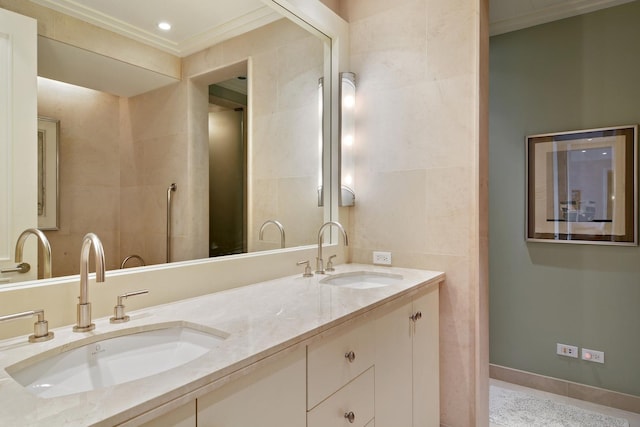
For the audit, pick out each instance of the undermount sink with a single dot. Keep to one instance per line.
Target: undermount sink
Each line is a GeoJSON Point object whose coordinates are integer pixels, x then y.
{"type": "Point", "coordinates": [362, 279]}
{"type": "Point", "coordinates": [111, 361]}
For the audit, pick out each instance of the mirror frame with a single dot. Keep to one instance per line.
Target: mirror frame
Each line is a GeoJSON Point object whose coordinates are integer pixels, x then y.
{"type": "Point", "coordinates": [317, 18]}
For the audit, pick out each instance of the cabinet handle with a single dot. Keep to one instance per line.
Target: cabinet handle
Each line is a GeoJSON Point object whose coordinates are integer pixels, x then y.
{"type": "Point", "coordinates": [351, 356]}
{"type": "Point", "coordinates": [350, 416]}
{"type": "Point", "coordinates": [416, 316]}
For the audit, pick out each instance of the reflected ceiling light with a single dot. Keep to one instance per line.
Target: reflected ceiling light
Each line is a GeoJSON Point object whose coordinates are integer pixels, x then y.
{"type": "Point", "coordinates": [347, 138]}
{"type": "Point", "coordinates": [164, 25]}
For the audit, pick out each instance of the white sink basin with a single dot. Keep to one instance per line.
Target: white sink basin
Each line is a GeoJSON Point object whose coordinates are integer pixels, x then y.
{"type": "Point", "coordinates": [362, 279]}
{"type": "Point", "coordinates": [116, 360]}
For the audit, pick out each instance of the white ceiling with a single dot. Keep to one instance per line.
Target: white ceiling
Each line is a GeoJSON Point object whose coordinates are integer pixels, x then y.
{"type": "Point", "coordinates": [198, 24]}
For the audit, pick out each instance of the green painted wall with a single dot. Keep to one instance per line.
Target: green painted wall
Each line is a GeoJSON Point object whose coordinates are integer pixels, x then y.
{"type": "Point", "coordinates": [578, 73]}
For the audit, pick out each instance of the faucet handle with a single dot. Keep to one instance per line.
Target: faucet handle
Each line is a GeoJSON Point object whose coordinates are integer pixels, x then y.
{"type": "Point", "coordinates": [307, 268]}
{"type": "Point", "coordinates": [329, 266]}
{"type": "Point", "coordinates": [40, 328]}
{"type": "Point", "coordinates": [118, 310]}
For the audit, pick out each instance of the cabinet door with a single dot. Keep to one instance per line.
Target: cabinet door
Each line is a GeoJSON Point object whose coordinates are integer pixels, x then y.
{"type": "Point", "coordinates": [426, 362]}
{"type": "Point", "coordinates": [184, 416]}
{"type": "Point", "coordinates": [393, 371]}
{"type": "Point", "coordinates": [272, 396]}
{"type": "Point", "coordinates": [18, 140]}
{"type": "Point", "coordinates": [407, 370]}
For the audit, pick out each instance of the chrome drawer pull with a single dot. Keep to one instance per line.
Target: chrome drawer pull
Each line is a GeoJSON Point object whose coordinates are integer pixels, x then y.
{"type": "Point", "coordinates": [351, 356]}
{"type": "Point", "coordinates": [350, 416]}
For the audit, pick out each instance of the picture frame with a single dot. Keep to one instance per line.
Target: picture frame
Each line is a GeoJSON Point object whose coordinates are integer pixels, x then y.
{"type": "Point", "coordinates": [48, 197]}
{"type": "Point", "coordinates": [582, 186]}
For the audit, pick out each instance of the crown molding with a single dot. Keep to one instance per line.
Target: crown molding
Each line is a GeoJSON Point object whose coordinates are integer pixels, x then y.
{"type": "Point", "coordinates": [242, 24]}
{"type": "Point", "coordinates": [235, 27]}
{"type": "Point", "coordinates": [562, 10]}
{"type": "Point", "coordinates": [99, 19]}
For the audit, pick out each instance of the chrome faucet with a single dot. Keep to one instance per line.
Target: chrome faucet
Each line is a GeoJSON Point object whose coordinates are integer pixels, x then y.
{"type": "Point", "coordinates": [277, 224]}
{"type": "Point", "coordinates": [319, 262]}
{"type": "Point", "coordinates": [84, 306]}
{"type": "Point", "coordinates": [24, 267]}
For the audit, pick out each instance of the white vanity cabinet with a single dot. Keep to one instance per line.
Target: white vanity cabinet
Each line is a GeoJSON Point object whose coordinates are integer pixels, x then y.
{"type": "Point", "coordinates": [340, 377]}
{"type": "Point", "coordinates": [271, 396]}
{"type": "Point", "coordinates": [338, 358]}
{"type": "Point", "coordinates": [392, 376]}
{"type": "Point", "coordinates": [378, 368]}
{"type": "Point", "coordinates": [407, 364]}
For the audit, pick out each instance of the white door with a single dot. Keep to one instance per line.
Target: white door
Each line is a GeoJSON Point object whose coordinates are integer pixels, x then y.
{"type": "Point", "coordinates": [18, 144]}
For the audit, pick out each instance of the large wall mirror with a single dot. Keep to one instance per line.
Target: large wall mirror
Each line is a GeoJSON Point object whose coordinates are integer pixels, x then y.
{"type": "Point", "coordinates": [239, 136]}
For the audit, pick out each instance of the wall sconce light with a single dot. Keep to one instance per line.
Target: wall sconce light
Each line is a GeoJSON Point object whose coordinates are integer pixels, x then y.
{"type": "Point", "coordinates": [320, 139]}
{"type": "Point", "coordinates": [347, 138]}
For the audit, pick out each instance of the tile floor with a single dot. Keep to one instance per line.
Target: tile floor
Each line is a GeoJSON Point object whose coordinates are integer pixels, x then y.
{"type": "Point", "coordinates": [634, 419]}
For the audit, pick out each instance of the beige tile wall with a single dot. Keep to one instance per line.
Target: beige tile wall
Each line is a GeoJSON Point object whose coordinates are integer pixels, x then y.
{"type": "Point", "coordinates": [117, 158]}
{"type": "Point", "coordinates": [156, 154]}
{"type": "Point", "coordinates": [89, 173]}
{"type": "Point", "coordinates": [421, 190]}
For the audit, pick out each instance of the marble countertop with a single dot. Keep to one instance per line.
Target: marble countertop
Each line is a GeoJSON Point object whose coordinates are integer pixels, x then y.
{"type": "Point", "coordinates": [260, 320]}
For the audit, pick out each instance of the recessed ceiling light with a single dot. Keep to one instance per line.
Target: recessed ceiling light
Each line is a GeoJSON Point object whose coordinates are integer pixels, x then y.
{"type": "Point", "coordinates": [164, 26]}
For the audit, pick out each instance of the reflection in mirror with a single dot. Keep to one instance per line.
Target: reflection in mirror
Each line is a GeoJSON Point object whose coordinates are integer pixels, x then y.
{"type": "Point", "coordinates": [228, 167]}
{"type": "Point", "coordinates": [277, 106]}
{"type": "Point", "coordinates": [48, 134]}
{"type": "Point", "coordinates": [118, 155]}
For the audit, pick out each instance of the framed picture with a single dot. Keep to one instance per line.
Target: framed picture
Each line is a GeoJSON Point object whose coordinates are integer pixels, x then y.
{"type": "Point", "coordinates": [48, 209]}
{"type": "Point", "coordinates": [582, 186]}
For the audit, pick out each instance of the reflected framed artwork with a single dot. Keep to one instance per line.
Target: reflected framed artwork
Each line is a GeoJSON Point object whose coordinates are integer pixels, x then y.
{"type": "Point", "coordinates": [48, 207]}
{"type": "Point", "coordinates": [582, 186]}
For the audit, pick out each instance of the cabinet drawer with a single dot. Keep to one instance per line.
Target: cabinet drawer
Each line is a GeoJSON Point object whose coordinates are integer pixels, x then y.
{"type": "Point", "coordinates": [356, 397]}
{"type": "Point", "coordinates": [329, 368]}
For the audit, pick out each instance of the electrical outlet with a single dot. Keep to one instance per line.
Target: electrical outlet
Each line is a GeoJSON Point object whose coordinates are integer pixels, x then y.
{"type": "Point", "coordinates": [593, 355]}
{"type": "Point", "coordinates": [382, 258]}
{"type": "Point", "coordinates": [567, 350]}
